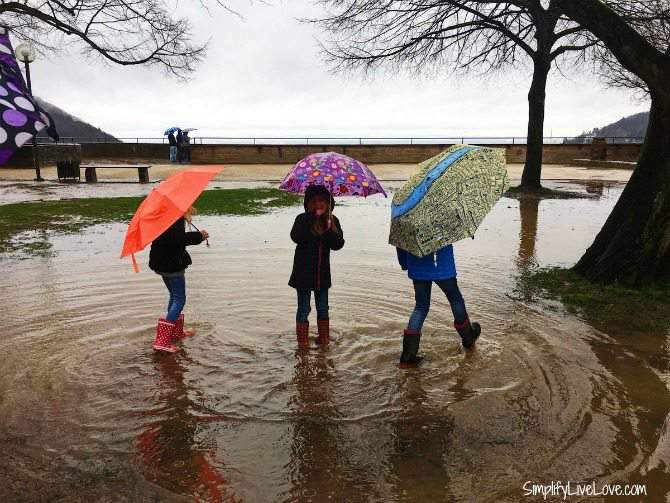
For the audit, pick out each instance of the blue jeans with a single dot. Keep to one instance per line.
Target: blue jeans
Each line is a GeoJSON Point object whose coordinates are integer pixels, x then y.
{"type": "Point", "coordinates": [176, 285]}
{"type": "Point", "coordinates": [173, 154]}
{"type": "Point", "coordinates": [422, 291]}
{"type": "Point", "coordinates": [320, 300]}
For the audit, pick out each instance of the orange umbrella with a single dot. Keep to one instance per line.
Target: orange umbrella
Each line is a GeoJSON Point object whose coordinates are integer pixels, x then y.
{"type": "Point", "coordinates": [164, 205]}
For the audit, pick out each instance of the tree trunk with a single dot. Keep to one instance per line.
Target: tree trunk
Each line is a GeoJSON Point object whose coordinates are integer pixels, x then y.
{"type": "Point", "coordinates": [633, 247]}
{"type": "Point", "coordinates": [532, 170]}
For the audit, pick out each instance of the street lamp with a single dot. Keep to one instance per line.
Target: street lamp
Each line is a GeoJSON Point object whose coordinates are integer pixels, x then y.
{"type": "Point", "coordinates": [25, 53]}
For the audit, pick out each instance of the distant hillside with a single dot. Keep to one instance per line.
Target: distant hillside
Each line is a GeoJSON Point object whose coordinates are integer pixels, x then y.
{"type": "Point", "coordinates": [633, 126]}
{"type": "Point", "coordinates": [69, 125]}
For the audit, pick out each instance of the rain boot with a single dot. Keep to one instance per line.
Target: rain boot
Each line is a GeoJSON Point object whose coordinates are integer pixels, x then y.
{"type": "Point", "coordinates": [302, 331]}
{"type": "Point", "coordinates": [468, 332]}
{"type": "Point", "coordinates": [164, 333]}
{"type": "Point", "coordinates": [324, 332]}
{"type": "Point", "coordinates": [410, 347]}
{"type": "Point", "coordinates": [179, 332]}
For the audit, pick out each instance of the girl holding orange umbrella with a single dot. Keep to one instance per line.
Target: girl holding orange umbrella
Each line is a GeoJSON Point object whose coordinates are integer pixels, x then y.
{"type": "Point", "coordinates": [169, 258]}
{"type": "Point", "coordinates": [161, 220]}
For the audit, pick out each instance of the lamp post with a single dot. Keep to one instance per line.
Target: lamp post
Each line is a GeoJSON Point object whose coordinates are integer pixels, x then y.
{"type": "Point", "coordinates": [25, 53]}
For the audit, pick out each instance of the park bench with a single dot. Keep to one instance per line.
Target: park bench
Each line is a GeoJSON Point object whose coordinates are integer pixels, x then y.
{"type": "Point", "coordinates": [92, 176]}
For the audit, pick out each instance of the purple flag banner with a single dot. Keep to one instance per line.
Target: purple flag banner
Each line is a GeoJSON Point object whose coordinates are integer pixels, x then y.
{"type": "Point", "coordinates": [21, 118]}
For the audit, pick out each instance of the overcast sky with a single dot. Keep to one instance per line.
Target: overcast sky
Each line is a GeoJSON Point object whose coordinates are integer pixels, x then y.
{"type": "Point", "coordinates": [263, 75]}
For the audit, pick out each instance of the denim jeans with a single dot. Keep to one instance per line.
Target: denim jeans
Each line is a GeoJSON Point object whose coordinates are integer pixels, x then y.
{"type": "Point", "coordinates": [422, 291]}
{"type": "Point", "coordinates": [173, 154]}
{"type": "Point", "coordinates": [176, 285]}
{"type": "Point", "coordinates": [320, 300]}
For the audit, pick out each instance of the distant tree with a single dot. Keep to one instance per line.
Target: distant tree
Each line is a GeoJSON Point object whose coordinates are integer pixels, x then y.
{"type": "Point", "coordinates": [467, 35]}
{"type": "Point", "coordinates": [633, 247]}
{"type": "Point", "coordinates": [126, 32]}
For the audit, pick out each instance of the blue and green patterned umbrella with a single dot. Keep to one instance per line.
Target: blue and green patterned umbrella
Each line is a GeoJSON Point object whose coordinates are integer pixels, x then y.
{"type": "Point", "coordinates": [447, 198]}
{"type": "Point", "coordinates": [21, 117]}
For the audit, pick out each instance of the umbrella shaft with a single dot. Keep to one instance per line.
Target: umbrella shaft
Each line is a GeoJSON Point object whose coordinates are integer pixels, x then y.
{"type": "Point", "coordinates": [206, 240]}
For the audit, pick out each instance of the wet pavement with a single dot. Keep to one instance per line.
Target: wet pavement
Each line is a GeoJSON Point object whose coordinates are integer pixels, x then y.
{"type": "Point", "coordinates": [87, 408]}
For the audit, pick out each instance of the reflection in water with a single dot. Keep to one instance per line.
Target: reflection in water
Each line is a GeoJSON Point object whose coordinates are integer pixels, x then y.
{"type": "Point", "coordinates": [172, 451]}
{"type": "Point", "coordinates": [421, 445]}
{"type": "Point", "coordinates": [314, 459]}
{"type": "Point", "coordinates": [528, 211]}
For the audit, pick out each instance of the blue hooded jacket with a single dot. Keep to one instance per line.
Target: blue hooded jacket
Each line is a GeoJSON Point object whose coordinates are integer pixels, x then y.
{"type": "Point", "coordinates": [433, 267]}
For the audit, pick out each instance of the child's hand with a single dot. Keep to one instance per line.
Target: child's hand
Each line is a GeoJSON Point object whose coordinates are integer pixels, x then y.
{"type": "Point", "coordinates": [205, 234]}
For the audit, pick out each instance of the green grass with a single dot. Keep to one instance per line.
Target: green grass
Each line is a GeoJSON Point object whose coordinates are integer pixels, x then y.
{"type": "Point", "coordinates": [546, 193]}
{"type": "Point", "coordinates": [612, 305]}
{"type": "Point", "coordinates": [19, 221]}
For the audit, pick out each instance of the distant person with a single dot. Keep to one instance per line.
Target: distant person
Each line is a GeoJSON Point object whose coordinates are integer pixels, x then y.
{"type": "Point", "coordinates": [315, 232]}
{"type": "Point", "coordinates": [438, 268]}
{"type": "Point", "coordinates": [180, 141]}
{"type": "Point", "coordinates": [169, 259]}
{"type": "Point", "coordinates": [186, 147]}
{"type": "Point", "coordinates": [173, 147]}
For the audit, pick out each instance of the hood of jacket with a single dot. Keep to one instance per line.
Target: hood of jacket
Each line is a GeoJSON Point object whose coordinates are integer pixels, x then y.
{"type": "Point", "coordinates": [318, 190]}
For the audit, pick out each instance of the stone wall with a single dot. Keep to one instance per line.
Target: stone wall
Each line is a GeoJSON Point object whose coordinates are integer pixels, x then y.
{"type": "Point", "coordinates": [288, 154]}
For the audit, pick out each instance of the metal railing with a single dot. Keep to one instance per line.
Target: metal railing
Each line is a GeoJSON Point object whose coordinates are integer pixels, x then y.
{"type": "Point", "coordinates": [361, 140]}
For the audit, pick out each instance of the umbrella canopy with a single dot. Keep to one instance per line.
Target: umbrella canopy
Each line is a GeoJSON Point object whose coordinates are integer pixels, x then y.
{"type": "Point", "coordinates": [189, 129]}
{"type": "Point", "coordinates": [170, 130]}
{"type": "Point", "coordinates": [164, 205]}
{"type": "Point", "coordinates": [447, 198]}
{"type": "Point", "coordinates": [21, 117]}
{"type": "Point", "coordinates": [340, 174]}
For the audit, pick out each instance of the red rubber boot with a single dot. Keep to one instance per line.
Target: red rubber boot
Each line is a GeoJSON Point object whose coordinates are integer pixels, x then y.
{"type": "Point", "coordinates": [164, 333]}
{"type": "Point", "coordinates": [180, 332]}
{"type": "Point", "coordinates": [324, 332]}
{"type": "Point", "coordinates": [302, 331]}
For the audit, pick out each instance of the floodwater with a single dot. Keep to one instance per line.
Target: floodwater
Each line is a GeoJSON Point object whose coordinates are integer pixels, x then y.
{"type": "Point", "coordinates": [89, 412]}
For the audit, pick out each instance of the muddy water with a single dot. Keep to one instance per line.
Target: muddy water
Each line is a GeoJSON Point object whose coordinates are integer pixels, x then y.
{"type": "Point", "coordinates": [86, 408]}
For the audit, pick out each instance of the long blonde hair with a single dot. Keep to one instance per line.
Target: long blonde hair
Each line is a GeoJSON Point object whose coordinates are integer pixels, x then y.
{"type": "Point", "coordinates": [190, 213]}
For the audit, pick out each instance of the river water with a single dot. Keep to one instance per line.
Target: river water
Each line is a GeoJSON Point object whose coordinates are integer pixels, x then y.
{"type": "Point", "coordinates": [88, 411]}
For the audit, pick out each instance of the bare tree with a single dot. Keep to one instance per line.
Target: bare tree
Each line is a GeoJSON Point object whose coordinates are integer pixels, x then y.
{"type": "Point", "coordinates": [125, 32]}
{"type": "Point", "coordinates": [633, 247]}
{"type": "Point", "coordinates": [467, 35]}
{"type": "Point", "coordinates": [651, 19]}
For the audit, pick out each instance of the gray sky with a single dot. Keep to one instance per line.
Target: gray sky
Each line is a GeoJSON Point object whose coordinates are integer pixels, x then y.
{"type": "Point", "coordinates": [264, 76]}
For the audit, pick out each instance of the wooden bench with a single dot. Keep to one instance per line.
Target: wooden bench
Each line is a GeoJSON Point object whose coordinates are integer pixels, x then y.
{"type": "Point", "coordinates": [92, 176]}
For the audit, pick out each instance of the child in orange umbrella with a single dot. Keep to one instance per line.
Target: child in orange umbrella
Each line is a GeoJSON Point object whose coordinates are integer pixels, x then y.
{"type": "Point", "coordinates": [315, 232]}
{"type": "Point", "coordinates": [169, 259]}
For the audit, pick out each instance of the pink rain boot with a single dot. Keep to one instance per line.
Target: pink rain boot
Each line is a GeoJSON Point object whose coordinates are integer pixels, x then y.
{"type": "Point", "coordinates": [179, 332]}
{"type": "Point", "coordinates": [164, 332]}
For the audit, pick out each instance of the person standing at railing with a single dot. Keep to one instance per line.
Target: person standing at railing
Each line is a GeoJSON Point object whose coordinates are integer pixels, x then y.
{"type": "Point", "coordinates": [180, 142]}
{"type": "Point", "coordinates": [186, 147]}
{"type": "Point", "coordinates": [173, 147]}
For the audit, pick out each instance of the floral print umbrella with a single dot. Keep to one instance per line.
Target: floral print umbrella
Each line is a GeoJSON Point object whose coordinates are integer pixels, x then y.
{"type": "Point", "coordinates": [340, 174]}
{"type": "Point", "coordinates": [21, 118]}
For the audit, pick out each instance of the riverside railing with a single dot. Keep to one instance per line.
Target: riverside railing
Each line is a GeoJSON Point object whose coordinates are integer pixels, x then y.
{"type": "Point", "coordinates": [361, 140]}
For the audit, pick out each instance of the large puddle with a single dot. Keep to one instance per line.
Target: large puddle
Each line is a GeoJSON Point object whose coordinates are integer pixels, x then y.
{"type": "Point", "coordinates": [87, 408]}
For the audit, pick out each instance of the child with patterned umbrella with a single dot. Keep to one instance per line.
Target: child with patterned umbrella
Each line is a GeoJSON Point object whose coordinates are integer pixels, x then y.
{"type": "Point", "coordinates": [315, 232]}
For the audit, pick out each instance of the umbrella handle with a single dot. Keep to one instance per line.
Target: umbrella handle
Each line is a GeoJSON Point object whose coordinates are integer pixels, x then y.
{"type": "Point", "coordinates": [191, 224]}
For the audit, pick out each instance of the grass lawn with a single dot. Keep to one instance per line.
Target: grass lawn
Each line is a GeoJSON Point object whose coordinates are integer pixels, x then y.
{"type": "Point", "coordinates": [24, 227]}
{"type": "Point", "coordinates": [646, 309]}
